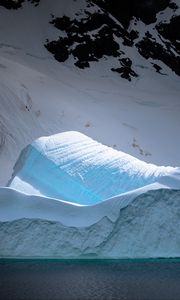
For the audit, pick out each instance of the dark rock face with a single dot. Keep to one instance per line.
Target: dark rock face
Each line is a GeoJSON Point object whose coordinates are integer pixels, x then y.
{"type": "Point", "coordinates": [11, 4]}
{"type": "Point", "coordinates": [91, 38]}
{"type": "Point", "coordinates": [124, 11]}
{"type": "Point", "coordinates": [158, 69]}
{"type": "Point", "coordinates": [173, 6]}
{"type": "Point", "coordinates": [59, 48]}
{"type": "Point", "coordinates": [149, 48]}
{"type": "Point", "coordinates": [105, 32]}
{"type": "Point", "coordinates": [125, 70]}
{"type": "Point", "coordinates": [171, 32]}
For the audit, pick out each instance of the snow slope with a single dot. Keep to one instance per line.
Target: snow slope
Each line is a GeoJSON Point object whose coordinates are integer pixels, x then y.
{"type": "Point", "coordinates": [39, 96]}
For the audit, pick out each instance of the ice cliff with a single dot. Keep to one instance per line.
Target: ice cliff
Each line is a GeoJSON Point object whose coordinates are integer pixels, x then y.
{"type": "Point", "coordinates": [148, 227]}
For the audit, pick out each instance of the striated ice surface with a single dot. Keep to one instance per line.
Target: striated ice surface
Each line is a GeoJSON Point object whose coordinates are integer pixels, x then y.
{"type": "Point", "coordinates": [72, 167]}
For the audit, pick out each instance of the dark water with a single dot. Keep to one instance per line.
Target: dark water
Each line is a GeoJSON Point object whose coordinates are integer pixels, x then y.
{"type": "Point", "coordinates": [89, 279]}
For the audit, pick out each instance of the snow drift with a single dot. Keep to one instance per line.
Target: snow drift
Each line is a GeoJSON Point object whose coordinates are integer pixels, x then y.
{"type": "Point", "coordinates": [73, 197]}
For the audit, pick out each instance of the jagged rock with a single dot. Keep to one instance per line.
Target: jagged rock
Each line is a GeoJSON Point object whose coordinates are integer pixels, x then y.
{"type": "Point", "coordinates": [61, 23]}
{"type": "Point", "coordinates": [125, 71]}
{"type": "Point", "coordinates": [83, 51]}
{"type": "Point", "coordinates": [88, 49]}
{"type": "Point", "coordinates": [133, 34]}
{"type": "Point", "coordinates": [59, 49]}
{"type": "Point", "coordinates": [91, 49]}
{"type": "Point", "coordinates": [11, 4]}
{"type": "Point", "coordinates": [126, 62]}
{"type": "Point", "coordinates": [97, 34]}
{"type": "Point", "coordinates": [158, 69]}
{"type": "Point", "coordinates": [170, 31]}
{"type": "Point", "coordinates": [124, 11]}
{"type": "Point", "coordinates": [151, 49]}
{"type": "Point", "coordinates": [173, 6]}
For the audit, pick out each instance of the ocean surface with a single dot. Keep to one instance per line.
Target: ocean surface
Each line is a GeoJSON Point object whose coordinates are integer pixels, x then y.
{"type": "Point", "coordinates": [54, 279]}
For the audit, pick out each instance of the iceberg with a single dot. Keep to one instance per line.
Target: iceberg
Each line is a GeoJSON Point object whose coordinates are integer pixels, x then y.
{"type": "Point", "coordinates": [72, 197]}
{"type": "Point", "coordinates": [72, 167]}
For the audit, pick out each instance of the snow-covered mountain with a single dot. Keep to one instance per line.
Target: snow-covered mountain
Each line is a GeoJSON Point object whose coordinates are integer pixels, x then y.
{"type": "Point", "coordinates": [41, 96]}
{"type": "Point", "coordinates": [111, 73]}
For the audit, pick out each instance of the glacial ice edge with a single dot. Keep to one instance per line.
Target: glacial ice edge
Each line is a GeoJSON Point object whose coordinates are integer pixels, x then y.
{"type": "Point", "coordinates": [149, 226]}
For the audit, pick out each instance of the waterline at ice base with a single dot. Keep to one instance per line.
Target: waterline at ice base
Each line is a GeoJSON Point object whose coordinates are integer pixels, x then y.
{"type": "Point", "coordinates": [72, 197]}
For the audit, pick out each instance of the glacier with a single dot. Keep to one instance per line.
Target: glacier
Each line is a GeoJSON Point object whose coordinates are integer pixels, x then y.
{"type": "Point", "coordinates": [72, 197]}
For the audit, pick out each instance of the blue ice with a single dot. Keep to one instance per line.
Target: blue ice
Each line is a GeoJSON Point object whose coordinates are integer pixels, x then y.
{"type": "Point", "coordinates": [72, 167]}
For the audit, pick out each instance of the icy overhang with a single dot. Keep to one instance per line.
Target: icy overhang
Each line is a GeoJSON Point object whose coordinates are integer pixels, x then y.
{"type": "Point", "coordinates": [72, 167]}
